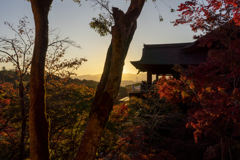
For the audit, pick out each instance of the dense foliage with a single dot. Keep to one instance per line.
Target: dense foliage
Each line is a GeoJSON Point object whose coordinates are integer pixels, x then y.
{"type": "Point", "coordinates": [211, 90]}
{"type": "Point", "coordinates": [68, 106]}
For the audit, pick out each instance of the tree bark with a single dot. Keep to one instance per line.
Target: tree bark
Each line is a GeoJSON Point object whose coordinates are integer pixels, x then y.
{"type": "Point", "coordinates": [23, 132]}
{"type": "Point", "coordinates": [38, 125]}
{"type": "Point", "coordinates": [107, 90]}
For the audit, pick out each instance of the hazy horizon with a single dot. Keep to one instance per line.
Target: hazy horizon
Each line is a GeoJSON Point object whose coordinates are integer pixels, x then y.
{"type": "Point", "coordinates": [125, 77]}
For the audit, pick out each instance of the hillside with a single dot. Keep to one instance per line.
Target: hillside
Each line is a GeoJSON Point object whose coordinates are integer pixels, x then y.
{"type": "Point", "coordinates": [127, 78]}
{"type": "Point", "coordinates": [11, 77]}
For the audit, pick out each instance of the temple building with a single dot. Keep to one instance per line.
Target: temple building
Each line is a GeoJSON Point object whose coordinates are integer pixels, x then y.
{"type": "Point", "coordinates": [159, 59]}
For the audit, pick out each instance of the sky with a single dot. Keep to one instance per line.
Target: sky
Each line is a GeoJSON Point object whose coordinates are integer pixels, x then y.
{"type": "Point", "coordinates": [73, 20]}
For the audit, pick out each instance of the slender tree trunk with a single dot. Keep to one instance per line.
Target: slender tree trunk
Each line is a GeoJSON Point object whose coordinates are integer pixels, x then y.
{"type": "Point", "coordinates": [23, 132]}
{"type": "Point", "coordinates": [122, 34]}
{"type": "Point", "coordinates": [222, 149]}
{"type": "Point", "coordinates": [38, 125]}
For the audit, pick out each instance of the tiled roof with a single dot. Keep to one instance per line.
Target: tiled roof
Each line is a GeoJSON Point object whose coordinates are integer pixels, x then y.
{"type": "Point", "coordinates": [170, 54]}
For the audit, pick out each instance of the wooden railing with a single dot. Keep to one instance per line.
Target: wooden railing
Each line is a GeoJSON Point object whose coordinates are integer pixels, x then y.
{"type": "Point", "coordinates": [145, 87]}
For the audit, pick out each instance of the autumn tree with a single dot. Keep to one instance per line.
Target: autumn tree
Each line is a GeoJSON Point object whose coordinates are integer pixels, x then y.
{"type": "Point", "coordinates": [18, 51]}
{"type": "Point", "coordinates": [213, 86]}
{"type": "Point", "coordinates": [55, 64]}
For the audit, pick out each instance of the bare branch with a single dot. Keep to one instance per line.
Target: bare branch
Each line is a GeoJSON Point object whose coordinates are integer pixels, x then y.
{"type": "Point", "coordinates": [9, 55]}
{"type": "Point", "coordinates": [104, 4]}
{"type": "Point", "coordinates": [65, 40]}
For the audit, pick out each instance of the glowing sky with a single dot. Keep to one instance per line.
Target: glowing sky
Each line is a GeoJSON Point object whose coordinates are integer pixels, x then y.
{"type": "Point", "coordinates": [73, 21]}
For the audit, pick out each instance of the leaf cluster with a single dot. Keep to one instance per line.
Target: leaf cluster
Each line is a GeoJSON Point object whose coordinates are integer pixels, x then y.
{"type": "Point", "coordinates": [102, 25]}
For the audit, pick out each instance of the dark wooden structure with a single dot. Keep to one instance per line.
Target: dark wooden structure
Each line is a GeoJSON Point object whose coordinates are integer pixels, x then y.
{"type": "Point", "coordinates": [159, 59]}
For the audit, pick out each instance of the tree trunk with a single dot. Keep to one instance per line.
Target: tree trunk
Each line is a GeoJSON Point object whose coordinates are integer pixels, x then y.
{"type": "Point", "coordinates": [38, 125]}
{"type": "Point", "coordinates": [107, 90]}
{"type": "Point", "coordinates": [23, 131]}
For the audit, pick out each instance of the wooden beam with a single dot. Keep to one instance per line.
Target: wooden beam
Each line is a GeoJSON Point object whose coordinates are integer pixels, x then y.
{"type": "Point", "coordinates": [149, 77]}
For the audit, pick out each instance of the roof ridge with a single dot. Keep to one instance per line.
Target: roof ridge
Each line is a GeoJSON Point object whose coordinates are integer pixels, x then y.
{"type": "Point", "coordinates": [166, 45]}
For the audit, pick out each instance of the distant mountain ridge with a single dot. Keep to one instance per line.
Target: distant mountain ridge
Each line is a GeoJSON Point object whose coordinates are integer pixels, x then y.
{"type": "Point", "coordinates": [125, 77]}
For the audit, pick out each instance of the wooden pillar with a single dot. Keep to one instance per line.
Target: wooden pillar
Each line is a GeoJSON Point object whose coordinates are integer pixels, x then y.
{"type": "Point", "coordinates": [149, 77]}
{"type": "Point", "coordinates": [157, 77]}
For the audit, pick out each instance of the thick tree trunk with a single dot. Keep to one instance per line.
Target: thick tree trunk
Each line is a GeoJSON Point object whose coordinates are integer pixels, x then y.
{"type": "Point", "coordinates": [122, 34]}
{"type": "Point", "coordinates": [38, 125]}
{"type": "Point", "coordinates": [23, 132]}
